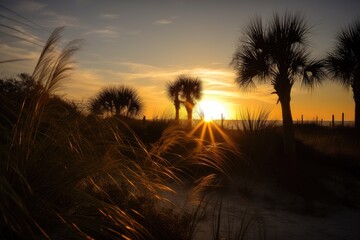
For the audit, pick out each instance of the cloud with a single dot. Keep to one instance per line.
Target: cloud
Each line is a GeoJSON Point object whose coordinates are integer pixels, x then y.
{"type": "Point", "coordinates": [163, 21]}
{"type": "Point", "coordinates": [138, 67]}
{"type": "Point", "coordinates": [11, 52]}
{"type": "Point", "coordinates": [108, 32]}
{"type": "Point", "coordinates": [82, 84]}
{"type": "Point", "coordinates": [60, 20]}
{"type": "Point", "coordinates": [30, 6]}
{"type": "Point", "coordinates": [150, 81]}
{"type": "Point", "coordinates": [109, 16]}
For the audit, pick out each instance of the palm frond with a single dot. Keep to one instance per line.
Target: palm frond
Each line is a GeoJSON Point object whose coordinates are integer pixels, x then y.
{"type": "Point", "coordinates": [251, 58]}
{"type": "Point", "coordinates": [117, 100]}
{"type": "Point", "coordinates": [288, 30]}
{"type": "Point", "coordinates": [343, 63]}
{"type": "Point", "coordinates": [313, 73]}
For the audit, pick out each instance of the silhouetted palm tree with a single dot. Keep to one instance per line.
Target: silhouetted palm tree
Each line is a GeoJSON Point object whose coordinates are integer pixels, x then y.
{"type": "Point", "coordinates": [277, 54]}
{"type": "Point", "coordinates": [173, 90]}
{"type": "Point", "coordinates": [191, 91]}
{"type": "Point", "coordinates": [119, 101]}
{"type": "Point", "coordinates": [344, 63]}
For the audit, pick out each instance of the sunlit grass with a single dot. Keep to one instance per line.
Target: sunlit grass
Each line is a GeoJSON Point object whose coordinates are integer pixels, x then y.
{"type": "Point", "coordinates": [66, 175]}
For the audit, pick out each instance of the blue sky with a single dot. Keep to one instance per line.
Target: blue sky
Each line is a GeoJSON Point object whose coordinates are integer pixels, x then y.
{"type": "Point", "coordinates": [146, 43]}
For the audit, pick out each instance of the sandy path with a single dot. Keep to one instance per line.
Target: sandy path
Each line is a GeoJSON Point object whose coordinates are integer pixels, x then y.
{"type": "Point", "coordinates": [279, 222]}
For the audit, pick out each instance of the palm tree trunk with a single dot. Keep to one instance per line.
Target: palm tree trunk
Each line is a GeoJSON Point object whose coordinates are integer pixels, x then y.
{"type": "Point", "coordinates": [177, 109]}
{"type": "Point", "coordinates": [189, 109]}
{"type": "Point", "coordinates": [356, 92]}
{"type": "Point", "coordinates": [189, 114]}
{"type": "Point", "coordinates": [357, 114]}
{"type": "Point", "coordinates": [177, 114]}
{"type": "Point", "coordinates": [288, 129]}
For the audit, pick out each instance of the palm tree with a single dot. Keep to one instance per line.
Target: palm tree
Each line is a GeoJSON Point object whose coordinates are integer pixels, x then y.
{"type": "Point", "coordinates": [118, 101]}
{"type": "Point", "coordinates": [344, 63]}
{"type": "Point", "coordinates": [277, 54]}
{"type": "Point", "coordinates": [191, 91]}
{"type": "Point", "coordinates": [173, 90]}
{"type": "Point", "coordinates": [102, 103]}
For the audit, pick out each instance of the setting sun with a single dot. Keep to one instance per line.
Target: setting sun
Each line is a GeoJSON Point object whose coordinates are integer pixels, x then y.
{"type": "Point", "coordinates": [212, 110]}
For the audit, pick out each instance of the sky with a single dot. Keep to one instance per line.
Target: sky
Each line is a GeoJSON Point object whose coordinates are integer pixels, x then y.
{"type": "Point", "coordinates": [145, 44]}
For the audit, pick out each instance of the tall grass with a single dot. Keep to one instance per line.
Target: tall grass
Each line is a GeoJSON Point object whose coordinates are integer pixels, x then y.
{"type": "Point", "coordinates": [259, 141]}
{"type": "Point", "coordinates": [239, 224]}
{"type": "Point", "coordinates": [50, 174]}
{"type": "Point", "coordinates": [65, 175]}
{"type": "Point", "coordinates": [250, 121]}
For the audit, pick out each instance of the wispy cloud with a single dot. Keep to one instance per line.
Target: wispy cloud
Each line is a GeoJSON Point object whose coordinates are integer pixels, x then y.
{"type": "Point", "coordinates": [11, 52]}
{"type": "Point", "coordinates": [30, 6]}
{"type": "Point", "coordinates": [151, 81]}
{"type": "Point", "coordinates": [164, 21]}
{"type": "Point", "coordinates": [82, 85]}
{"type": "Point", "coordinates": [107, 32]}
{"type": "Point", "coordinates": [56, 20]}
{"type": "Point", "coordinates": [109, 16]}
{"type": "Point", "coordinates": [138, 67]}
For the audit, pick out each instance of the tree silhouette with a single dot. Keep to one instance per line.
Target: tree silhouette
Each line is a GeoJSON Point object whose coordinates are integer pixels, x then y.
{"type": "Point", "coordinates": [173, 90]}
{"type": "Point", "coordinates": [277, 54]}
{"type": "Point", "coordinates": [191, 91]}
{"type": "Point", "coordinates": [344, 63]}
{"type": "Point", "coordinates": [16, 94]}
{"type": "Point", "coordinates": [118, 101]}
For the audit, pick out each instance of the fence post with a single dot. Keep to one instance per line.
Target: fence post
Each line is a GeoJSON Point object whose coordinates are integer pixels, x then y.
{"type": "Point", "coordinates": [333, 121]}
{"type": "Point", "coordinates": [302, 119]}
{"type": "Point", "coordinates": [342, 119]}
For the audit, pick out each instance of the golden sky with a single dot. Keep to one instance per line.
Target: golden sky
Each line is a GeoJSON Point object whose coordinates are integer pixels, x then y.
{"type": "Point", "coordinates": [144, 44]}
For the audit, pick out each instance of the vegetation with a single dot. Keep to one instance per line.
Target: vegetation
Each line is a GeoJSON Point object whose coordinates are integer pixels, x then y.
{"type": "Point", "coordinates": [173, 90]}
{"type": "Point", "coordinates": [118, 101]}
{"type": "Point", "coordinates": [344, 63]}
{"type": "Point", "coordinates": [277, 54]}
{"type": "Point", "coordinates": [65, 174]}
{"type": "Point", "coordinates": [190, 90]}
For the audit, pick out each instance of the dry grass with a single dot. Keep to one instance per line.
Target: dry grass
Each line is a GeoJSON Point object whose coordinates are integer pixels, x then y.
{"type": "Point", "coordinates": [66, 175]}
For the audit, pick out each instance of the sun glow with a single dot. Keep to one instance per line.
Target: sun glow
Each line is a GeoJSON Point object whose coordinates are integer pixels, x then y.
{"type": "Point", "coordinates": [211, 110]}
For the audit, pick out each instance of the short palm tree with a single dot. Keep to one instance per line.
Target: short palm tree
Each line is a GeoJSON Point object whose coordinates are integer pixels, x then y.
{"type": "Point", "coordinates": [118, 101]}
{"type": "Point", "coordinates": [191, 92]}
{"type": "Point", "coordinates": [277, 54]}
{"type": "Point", "coordinates": [344, 63]}
{"type": "Point", "coordinates": [173, 90]}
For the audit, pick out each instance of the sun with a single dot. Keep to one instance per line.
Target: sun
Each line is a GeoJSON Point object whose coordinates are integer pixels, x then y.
{"type": "Point", "coordinates": [211, 110]}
